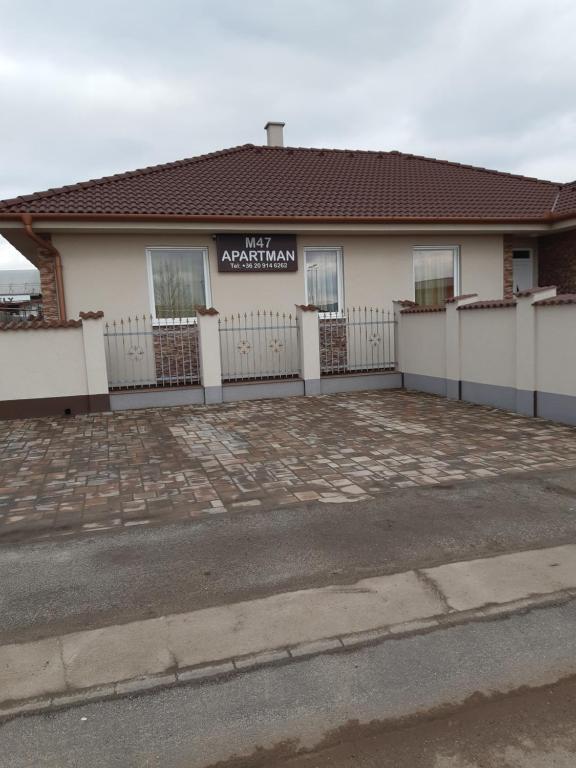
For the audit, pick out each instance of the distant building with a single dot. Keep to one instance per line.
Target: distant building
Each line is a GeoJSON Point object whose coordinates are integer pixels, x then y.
{"type": "Point", "coordinates": [19, 284]}
{"type": "Point", "coordinates": [19, 294]}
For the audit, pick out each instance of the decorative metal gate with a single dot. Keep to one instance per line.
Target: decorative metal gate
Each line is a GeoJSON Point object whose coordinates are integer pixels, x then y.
{"type": "Point", "coordinates": [144, 352]}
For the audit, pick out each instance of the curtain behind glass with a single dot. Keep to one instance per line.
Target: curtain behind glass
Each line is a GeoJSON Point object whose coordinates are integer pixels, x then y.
{"type": "Point", "coordinates": [178, 281]}
{"type": "Point", "coordinates": [322, 279]}
{"type": "Point", "coordinates": [433, 276]}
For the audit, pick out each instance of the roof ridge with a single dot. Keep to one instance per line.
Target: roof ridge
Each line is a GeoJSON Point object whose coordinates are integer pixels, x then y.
{"type": "Point", "coordinates": [145, 171]}
{"type": "Point", "coordinates": [468, 166]}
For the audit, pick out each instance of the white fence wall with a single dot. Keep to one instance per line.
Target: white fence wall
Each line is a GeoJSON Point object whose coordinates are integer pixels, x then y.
{"type": "Point", "coordinates": [53, 368]}
{"type": "Point", "coordinates": [556, 343]}
{"type": "Point", "coordinates": [423, 347]}
{"type": "Point", "coordinates": [556, 361]}
{"type": "Point", "coordinates": [487, 346]}
{"type": "Point", "coordinates": [515, 354]}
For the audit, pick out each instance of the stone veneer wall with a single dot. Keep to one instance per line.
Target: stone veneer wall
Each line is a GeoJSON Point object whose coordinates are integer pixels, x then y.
{"type": "Point", "coordinates": [509, 245]}
{"type": "Point", "coordinates": [50, 309]}
{"type": "Point", "coordinates": [333, 345]}
{"type": "Point", "coordinates": [557, 261]}
{"type": "Point", "coordinates": [176, 354]}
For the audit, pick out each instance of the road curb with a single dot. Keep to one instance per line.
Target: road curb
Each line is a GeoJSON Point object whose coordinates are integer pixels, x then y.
{"type": "Point", "coordinates": [214, 672]}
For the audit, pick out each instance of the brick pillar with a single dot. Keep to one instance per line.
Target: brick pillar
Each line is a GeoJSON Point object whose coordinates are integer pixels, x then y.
{"type": "Point", "coordinates": [50, 309]}
{"type": "Point", "coordinates": [508, 245]}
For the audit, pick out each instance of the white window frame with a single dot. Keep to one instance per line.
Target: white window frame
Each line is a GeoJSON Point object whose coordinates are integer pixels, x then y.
{"type": "Point", "coordinates": [208, 290]}
{"type": "Point", "coordinates": [456, 264]}
{"type": "Point", "coordinates": [339, 272]}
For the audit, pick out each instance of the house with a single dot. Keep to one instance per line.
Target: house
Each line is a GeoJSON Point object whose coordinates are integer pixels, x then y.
{"type": "Point", "coordinates": [274, 226]}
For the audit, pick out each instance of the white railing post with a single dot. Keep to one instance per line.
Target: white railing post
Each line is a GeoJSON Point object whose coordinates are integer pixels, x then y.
{"type": "Point", "coordinates": [209, 353]}
{"type": "Point", "coordinates": [453, 344]}
{"type": "Point", "coordinates": [526, 348]}
{"type": "Point", "coordinates": [95, 361]}
{"type": "Point", "coordinates": [309, 343]}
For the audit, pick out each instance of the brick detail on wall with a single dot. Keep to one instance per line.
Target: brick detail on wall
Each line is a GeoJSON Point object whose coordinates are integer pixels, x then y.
{"type": "Point", "coordinates": [508, 261]}
{"type": "Point", "coordinates": [50, 309]}
{"type": "Point", "coordinates": [557, 261]}
{"type": "Point", "coordinates": [333, 345]}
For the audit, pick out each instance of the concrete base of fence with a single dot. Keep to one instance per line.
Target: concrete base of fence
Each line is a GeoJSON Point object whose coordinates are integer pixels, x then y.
{"type": "Point", "coordinates": [360, 381]}
{"type": "Point", "coordinates": [434, 385]}
{"type": "Point", "coordinates": [556, 407]}
{"type": "Point", "coordinates": [525, 402]}
{"type": "Point", "coordinates": [36, 407]}
{"type": "Point", "coordinates": [260, 390]}
{"type": "Point", "coordinates": [213, 395]}
{"type": "Point", "coordinates": [545, 405]}
{"type": "Point", "coordinates": [156, 398]}
{"type": "Point", "coordinates": [489, 394]}
{"type": "Point", "coordinates": [252, 390]}
{"type": "Point", "coordinates": [312, 386]}
{"type": "Point", "coordinates": [471, 391]}
{"type": "Point", "coordinates": [452, 389]}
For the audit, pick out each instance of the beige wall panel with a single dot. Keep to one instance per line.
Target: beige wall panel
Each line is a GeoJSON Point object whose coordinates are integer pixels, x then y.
{"type": "Point", "coordinates": [556, 349]}
{"type": "Point", "coordinates": [42, 363]}
{"type": "Point", "coordinates": [487, 346]}
{"type": "Point", "coordinates": [423, 344]}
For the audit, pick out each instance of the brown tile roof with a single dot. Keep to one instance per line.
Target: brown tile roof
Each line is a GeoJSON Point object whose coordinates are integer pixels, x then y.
{"type": "Point", "coordinates": [489, 304]}
{"type": "Point", "coordinates": [563, 298]}
{"type": "Point", "coordinates": [298, 183]}
{"type": "Point", "coordinates": [417, 310]}
{"type": "Point", "coordinates": [454, 299]}
{"type": "Point", "coordinates": [91, 315]}
{"type": "Point", "coordinates": [34, 325]}
{"type": "Point", "coordinates": [566, 200]}
{"type": "Point", "coordinates": [533, 291]}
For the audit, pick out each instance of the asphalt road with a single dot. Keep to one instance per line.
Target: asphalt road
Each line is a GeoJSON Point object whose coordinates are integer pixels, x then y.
{"type": "Point", "coordinates": [88, 581]}
{"type": "Point", "coordinates": [271, 712]}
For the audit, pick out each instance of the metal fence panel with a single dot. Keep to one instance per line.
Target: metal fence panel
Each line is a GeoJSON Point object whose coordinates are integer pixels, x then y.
{"type": "Point", "coordinates": [144, 352]}
{"type": "Point", "coordinates": [258, 346]}
{"type": "Point", "coordinates": [359, 340]}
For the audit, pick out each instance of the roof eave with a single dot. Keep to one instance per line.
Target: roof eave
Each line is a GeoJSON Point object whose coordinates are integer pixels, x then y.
{"type": "Point", "coordinates": [548, 219]}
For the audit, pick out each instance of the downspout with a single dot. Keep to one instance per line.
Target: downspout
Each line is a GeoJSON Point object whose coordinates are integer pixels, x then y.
{"type": "Point", "coordinates": [46, 245]}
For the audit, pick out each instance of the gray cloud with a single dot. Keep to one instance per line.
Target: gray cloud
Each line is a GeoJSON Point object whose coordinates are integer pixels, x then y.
{"type": "Point", "coordinates": [88, 89]}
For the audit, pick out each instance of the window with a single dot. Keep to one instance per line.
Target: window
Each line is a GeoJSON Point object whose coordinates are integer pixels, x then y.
{"type": "Point", "coordinates": [436, 275]}
{"type": "Point", "coordinates": [178, 281]}
{"type": "Point", "coordinates": [324, 278]}
{"type": "Point", "coordinates": [522, 270]}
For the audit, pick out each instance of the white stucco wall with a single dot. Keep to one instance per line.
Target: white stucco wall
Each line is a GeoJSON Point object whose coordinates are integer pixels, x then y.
{"type": "Point", "coordinates": [487, 346]}
{"type": "Point", "coordinates": [423, 343]}
{"type": "Point", "coordinates": [556, 349]}
{"type": "Point", "coordinates": [109, 272]}
{"type": "Point", "coordinates": [42, 363]}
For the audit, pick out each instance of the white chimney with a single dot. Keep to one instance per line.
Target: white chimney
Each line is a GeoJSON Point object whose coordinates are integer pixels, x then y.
{"type": "Point", "coordinates": [275, 133]}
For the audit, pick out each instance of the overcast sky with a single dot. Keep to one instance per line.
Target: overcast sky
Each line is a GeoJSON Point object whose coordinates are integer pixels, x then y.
{"type": "Point", "coordinates": [89, 89]}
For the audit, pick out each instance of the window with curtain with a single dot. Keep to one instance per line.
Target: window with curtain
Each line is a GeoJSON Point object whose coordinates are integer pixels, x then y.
{"type": "Point", "coordinates": [435, 274]}
{"type": "Point", "coordinates": [179, 281]}
{"type": "Point", "coordinates": [324, 278]}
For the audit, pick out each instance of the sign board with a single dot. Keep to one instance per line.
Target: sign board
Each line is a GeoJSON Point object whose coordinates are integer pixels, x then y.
{"type": "Point", "coordinates": [257, 253]}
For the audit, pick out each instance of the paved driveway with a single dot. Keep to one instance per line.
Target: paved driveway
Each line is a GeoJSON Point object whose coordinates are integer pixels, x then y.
{"type": "Point", "coordinates": [60, 476]}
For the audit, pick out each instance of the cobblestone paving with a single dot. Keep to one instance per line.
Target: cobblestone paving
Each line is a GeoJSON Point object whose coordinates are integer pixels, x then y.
{"type": "Point", "coordinates": [91, 473]}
